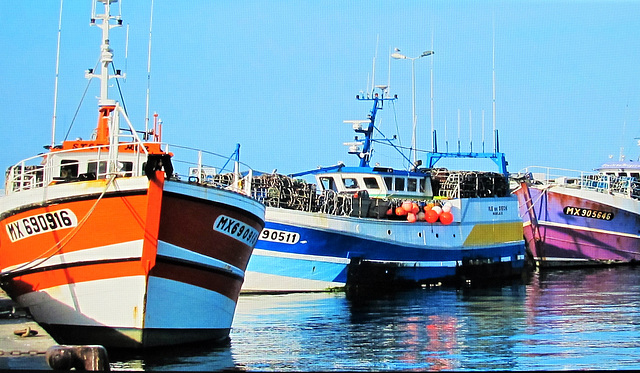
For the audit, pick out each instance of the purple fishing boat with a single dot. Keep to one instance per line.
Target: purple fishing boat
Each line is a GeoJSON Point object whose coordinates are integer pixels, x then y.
{"type": "Point", "coordinates": [575, 218]}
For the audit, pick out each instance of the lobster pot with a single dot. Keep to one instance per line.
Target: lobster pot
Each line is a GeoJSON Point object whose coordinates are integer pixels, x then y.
{"type": "Point", "coordinates": [474, 185]}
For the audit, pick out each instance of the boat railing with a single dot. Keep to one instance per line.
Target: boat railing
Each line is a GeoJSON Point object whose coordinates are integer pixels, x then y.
{"type": "Point", "coordinates": [601, 183]}
{"type": "Point", "coordinates": [95, 162]}
{"type": "Point", "coordinates": [212, 169]}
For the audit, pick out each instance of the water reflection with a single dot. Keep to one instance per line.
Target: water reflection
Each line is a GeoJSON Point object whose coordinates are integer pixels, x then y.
{"type": "Point", "coordinates": [586, 319]}
{"type": "Point", "coordinates": [578, 319]}
{"type": "Point", "coordinates": [184, 358]}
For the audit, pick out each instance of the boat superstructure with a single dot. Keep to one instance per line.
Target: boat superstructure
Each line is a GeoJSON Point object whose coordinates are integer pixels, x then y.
{"type": "Point", "coordinates": [109, 240]}
{"type": "Point", "coordinates": [377, 226]}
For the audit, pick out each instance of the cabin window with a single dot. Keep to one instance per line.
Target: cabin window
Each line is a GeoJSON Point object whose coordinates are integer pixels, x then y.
{"type": "Point", "coordinates": [412, 185]}
{"type": "Point", "coordinates": [350, 183]}
{"type": "Point", "coordinates": [126, 168]}
{"type": "Point", "coordinates": [98, 168]}
{"type": "Point", "coordinates": [399, 184]}
{"type": "Point", "coordinates": [622, 174]}
{"type": "Point", "coordinates": [635, 174]}
{"type": "Point", "coordinates": [328, 183]}
{"type": "Point", "coordinates": [388, 180]}
{"type": "Point", "coordinates": [423, 185]}
{"type": "Point", "coordinates": [371, 183]}
{"type": "Point", "coordinates": [68, 169]}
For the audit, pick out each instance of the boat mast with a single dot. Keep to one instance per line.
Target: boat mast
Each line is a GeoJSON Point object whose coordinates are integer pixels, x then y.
{"type": "Point", "coordinates": [55, 88]}
{"type": "Point", "coordinates": [106, 105]}
{"type": "Point", "coordinates": [378, 103]}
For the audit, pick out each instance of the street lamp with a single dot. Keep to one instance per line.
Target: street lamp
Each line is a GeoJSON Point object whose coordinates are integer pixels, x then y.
{"type": "Point", "coordinates": [398, 56]}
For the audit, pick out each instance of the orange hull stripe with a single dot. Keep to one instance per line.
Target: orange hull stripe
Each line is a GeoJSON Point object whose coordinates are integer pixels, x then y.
{"type": "Point", "coordinates": [154, 210]}
{"type": "Point", "coordinates": [114, 220]}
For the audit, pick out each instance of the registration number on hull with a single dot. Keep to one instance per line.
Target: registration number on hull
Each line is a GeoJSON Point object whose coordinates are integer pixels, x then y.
{"type": "Point", "coordinates": [236, 229]}
{"type": "Point", "coordinates": [275, 235]}
{"type": "Point", "coordinates": [41, 223]}
{"type": "Point", "coordinates": [587, 213]}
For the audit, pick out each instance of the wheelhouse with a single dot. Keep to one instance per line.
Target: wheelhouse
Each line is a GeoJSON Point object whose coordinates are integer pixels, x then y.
{"type": "Point", "coordinates": [378, 183]}
{"type": "Point", "coordinates": [80, 160]}
{"type": "Point", "coordinates": [621, 169]}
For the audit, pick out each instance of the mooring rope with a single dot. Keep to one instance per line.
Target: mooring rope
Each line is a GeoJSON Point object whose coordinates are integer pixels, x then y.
{"type": "Point", "coordinates": [63, 242]}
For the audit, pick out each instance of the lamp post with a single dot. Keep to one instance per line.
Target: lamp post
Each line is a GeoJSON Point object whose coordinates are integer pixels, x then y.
{"type": "Point", "coordinates": [398, 56]}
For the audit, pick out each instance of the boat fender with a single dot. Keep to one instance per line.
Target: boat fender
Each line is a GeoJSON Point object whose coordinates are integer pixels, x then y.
{"type": "Point", "coordinates": [157, 162]}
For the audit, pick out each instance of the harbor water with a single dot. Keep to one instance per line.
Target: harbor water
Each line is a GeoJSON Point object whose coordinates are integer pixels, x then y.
{"type": "Point", "coordinates": [552, 320]}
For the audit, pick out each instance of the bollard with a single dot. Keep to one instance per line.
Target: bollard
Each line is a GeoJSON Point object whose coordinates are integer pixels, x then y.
{"type": "Point", "coordinates": [90, 358]}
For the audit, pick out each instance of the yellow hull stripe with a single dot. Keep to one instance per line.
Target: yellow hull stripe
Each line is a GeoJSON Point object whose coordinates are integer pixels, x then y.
{"type": "Point", "coordinates": [485, 234]}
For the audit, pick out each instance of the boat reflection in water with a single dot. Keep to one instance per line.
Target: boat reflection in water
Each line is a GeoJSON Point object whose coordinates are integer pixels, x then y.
{"type": "Point", "coordinates": [554, 320]}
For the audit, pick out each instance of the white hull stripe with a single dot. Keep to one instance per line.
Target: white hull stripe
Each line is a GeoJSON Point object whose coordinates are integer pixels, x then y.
{"type": "Point", "coordinates": [118, 252]}
{"type": "Point", "coordinates": [258, 282]}
{"type": "Point", "coordinates": [406, 263]}
{"type": "Point", "coordinates": [581, 228]}
{"type": "Point", "coordinates": [279, 254]}
{"type": "Point", "coordinates": [175, 253]}
{"type": "Point", "coordinates": [552, 259]}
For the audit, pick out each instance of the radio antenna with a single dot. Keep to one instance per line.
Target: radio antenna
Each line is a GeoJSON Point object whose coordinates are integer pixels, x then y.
{"type": "Point", "coordinates": [146, 119]}
{"type": "Point", "coordinates": [493, 72]}
{"type": "Point", "coordinates": [373, 73]}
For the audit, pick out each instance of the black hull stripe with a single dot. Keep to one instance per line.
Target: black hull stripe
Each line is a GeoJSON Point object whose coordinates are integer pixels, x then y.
{"type": "Point", "coordinates": [117, 339]}
{"type": "Point", "coordinates": [54, 267]}
{"type": "Point", "coordinates": [159, 258]}
{"type": "Point", "coordinates": [199, 266]}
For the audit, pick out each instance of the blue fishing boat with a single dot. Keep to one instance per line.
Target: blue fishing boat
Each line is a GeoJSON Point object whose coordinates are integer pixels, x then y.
{"type": "Point", "coordinates": [379, 226]}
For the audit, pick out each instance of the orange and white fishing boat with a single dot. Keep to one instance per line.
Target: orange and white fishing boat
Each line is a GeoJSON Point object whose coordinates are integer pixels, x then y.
{"type": "Point", "coordinates": [106, 243]}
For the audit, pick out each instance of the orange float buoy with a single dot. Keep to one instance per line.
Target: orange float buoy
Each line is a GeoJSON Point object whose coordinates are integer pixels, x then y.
{"type": "Point", "coordinates": [446, 217]}
{"type": "Point", "coordinates": [407, 206]}
{"type": "Point", "coordinates": [400, 211]}
{"type": "Point", "coordinates": [415, 208]}
{"type": "Point", "coordinates": [411, 217]}
{"type": "Point", "coordinates": [431, 216]}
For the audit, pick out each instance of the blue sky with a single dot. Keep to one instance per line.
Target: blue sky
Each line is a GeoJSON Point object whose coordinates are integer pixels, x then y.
{"type": "Point", "coordinates": [279, 77]}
